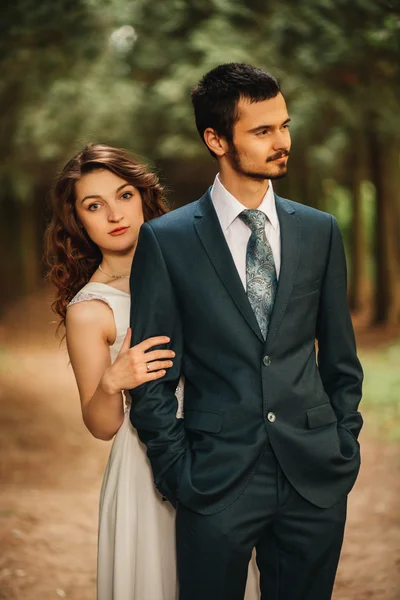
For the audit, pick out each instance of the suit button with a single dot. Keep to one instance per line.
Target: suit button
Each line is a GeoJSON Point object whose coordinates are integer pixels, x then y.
{"type": "Point", "coordinates": [271, 417]}
{"type": "Point", "coordinates": [267, 361]}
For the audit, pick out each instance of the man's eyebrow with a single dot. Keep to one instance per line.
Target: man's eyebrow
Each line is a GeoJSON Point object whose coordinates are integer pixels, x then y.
{"type": "Point", "coordinates": [262, 127]}
{"type": "Point", "coordinates": [96, 196]}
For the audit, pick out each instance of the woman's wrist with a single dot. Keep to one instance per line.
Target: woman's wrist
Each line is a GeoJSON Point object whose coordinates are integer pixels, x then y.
{"type": "Point", "coordinates": [108, 385]}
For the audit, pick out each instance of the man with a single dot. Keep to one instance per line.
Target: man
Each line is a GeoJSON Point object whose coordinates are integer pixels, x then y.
{"type": "Point", "coordinates": [243, 282]}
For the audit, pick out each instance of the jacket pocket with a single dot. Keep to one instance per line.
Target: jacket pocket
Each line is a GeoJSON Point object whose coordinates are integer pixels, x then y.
{"type": "Point", "coordinates": [320, 415]}
{"type": "Point", "coordinates": [305, 288]}
{"type": "Point", "coordinates": [203, 420]}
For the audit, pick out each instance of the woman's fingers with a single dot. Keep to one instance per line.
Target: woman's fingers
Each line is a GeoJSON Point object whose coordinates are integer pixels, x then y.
{"type": "Point", "coordinates": [156, 365]}
{"type": "Point", "coordinates": [154, 341]}
{"type": "Point", "coordinates": [156, 375]}
{"type": "Point", "coordinates": [158, 355]}
{"type": "Point", "coordinates": [127, 340]}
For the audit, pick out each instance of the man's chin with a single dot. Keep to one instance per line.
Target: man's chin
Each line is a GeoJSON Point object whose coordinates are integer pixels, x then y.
{"type": "Point", "coordinates": [278, 175]}
{"type": "Point", "coordinates": [263, 176]}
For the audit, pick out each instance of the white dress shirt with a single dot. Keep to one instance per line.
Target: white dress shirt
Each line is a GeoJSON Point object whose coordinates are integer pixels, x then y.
{"type": "Point", "coordinates": [237, 234]}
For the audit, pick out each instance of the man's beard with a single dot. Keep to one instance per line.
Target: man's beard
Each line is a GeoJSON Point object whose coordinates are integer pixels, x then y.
{"type": "Point", "coordinates": [236, 164]}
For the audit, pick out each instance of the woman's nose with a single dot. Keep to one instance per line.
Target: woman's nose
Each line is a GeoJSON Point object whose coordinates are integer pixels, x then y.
{"type": "Point", "coordinates": [115, 216]}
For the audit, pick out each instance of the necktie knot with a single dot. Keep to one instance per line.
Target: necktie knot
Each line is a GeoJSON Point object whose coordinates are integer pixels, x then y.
{"type": "Point", "coordinates": [255, 219]}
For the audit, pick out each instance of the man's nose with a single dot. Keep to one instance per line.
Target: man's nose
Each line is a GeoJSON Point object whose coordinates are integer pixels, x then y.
{"type": "Point", "coordinates": [282, 140]}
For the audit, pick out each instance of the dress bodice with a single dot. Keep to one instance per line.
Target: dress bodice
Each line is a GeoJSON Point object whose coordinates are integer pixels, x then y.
{"type": "Point", "coordinates": [119, 302]}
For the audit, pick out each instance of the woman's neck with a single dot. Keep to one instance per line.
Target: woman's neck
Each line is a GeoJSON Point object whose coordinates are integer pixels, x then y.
{"type": "Point", "coordinates": [117, 264]}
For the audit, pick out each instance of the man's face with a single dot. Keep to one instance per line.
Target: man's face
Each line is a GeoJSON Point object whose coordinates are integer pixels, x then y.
{"type": "Point", "coordinates": [261, 139]}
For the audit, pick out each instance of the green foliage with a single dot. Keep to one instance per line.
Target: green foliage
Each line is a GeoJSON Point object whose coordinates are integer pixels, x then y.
{"type": "Point", "coordinates": [380, 405]}
{"type": "Point", "coordinates": [65, 81]}
{"type": "Point", "coordinates": [75, 71]}
{"type": "Point", "coordinates": [338, 201]}
{"type": "Point", "coordinates": [122, 72]}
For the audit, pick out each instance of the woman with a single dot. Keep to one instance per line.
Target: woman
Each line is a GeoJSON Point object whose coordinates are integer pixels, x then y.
{"type": "Point", "coordinates": [100, 200]}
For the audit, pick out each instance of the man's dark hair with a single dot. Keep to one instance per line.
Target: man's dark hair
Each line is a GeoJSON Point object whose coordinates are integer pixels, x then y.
{"type": "Point", "coordinates": [216, 96]}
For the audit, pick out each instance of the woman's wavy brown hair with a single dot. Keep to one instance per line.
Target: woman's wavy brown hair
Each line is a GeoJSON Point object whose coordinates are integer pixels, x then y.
{"type": "Point", "coordinates": [70, 254]}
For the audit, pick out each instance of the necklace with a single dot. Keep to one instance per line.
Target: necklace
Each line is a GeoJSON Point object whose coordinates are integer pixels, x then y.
{"type": "Point", "coordinates": [113, 276]}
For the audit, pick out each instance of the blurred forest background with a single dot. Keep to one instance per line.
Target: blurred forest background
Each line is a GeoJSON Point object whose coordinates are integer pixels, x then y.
{"type": "Point", "coordinates": [120, 72]}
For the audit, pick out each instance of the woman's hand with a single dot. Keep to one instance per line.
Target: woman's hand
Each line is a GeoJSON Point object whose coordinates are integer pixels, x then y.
{"type": "Point", "coordinates": [135, 366]}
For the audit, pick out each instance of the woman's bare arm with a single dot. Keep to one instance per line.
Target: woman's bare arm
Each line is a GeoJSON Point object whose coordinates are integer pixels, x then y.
{"type": "Point", "coordinates": [90, 330]}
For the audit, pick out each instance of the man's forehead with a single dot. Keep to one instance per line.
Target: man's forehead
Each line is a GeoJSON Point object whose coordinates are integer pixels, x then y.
{"type": "Point", "coordinates": [271, 110]}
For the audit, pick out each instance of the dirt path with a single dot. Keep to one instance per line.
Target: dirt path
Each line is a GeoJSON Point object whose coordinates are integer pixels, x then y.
{"type": "Point", "coordinates": [51, 469]}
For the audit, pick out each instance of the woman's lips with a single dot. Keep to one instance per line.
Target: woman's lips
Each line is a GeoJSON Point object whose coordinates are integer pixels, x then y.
{"type": "Point", "coordinates": [119, 231]}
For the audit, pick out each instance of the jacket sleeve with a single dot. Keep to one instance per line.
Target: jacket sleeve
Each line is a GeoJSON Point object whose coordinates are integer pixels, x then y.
{"type": "Point", "coordinates": [339, 367]}
{"type": "Point", "coordinates": [154, 312]}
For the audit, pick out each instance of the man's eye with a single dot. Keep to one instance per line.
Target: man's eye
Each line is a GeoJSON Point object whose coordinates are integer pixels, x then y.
{"type": "Point", "coordinates": [263, 132]}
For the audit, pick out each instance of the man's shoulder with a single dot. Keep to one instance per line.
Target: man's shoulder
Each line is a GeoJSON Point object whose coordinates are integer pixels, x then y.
{"type": "Point", "coordinates": [175, 219]}
{"type": "Point", "coordinates": [305, 212]}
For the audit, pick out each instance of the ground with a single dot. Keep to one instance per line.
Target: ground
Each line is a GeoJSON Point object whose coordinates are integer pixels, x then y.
{"type": "Point", "coordinates": [51, 469]}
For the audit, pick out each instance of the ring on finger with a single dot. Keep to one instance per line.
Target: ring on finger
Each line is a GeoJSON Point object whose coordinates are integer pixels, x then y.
{"type": "Point", "coordinates": [148, 367]}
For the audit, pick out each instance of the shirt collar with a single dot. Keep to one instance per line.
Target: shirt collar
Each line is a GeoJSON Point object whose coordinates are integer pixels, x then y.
{"type": "Point", "coordinates": [228, 208]}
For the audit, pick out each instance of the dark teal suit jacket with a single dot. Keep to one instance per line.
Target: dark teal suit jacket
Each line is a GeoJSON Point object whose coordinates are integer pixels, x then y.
{"type": "Point", "coordinates": [184, 284]}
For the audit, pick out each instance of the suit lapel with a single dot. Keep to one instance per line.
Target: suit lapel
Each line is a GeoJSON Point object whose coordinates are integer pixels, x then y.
{"type": "Point", "coordinates": [212, 237]}
{"type": "Point", "coordinates": [290, 237]}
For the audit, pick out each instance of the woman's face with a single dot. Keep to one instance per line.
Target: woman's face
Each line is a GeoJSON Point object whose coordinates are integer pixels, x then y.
{"type": "Point", "coordinates": [110, 210]}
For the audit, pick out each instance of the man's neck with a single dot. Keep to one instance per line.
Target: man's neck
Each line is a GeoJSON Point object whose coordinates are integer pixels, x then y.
{"type": "Point", "coordinates": [249, 192]}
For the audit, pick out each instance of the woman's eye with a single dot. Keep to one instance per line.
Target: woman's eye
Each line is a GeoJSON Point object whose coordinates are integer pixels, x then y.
{"type": "Point", "coordinates": [126, 195]}
{"type": "Point", "coordinates": [94, 207]}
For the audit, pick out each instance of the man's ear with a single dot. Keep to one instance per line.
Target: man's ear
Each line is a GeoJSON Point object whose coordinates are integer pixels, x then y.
{"type": "Point", "coordinates": [215, 142]}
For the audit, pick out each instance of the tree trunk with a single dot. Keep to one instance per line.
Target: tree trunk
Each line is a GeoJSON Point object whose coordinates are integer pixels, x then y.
{"type": "Point", "coordinates": [386, 245]}
{"type": "Point", "coordinates": [301, 184]}
{"type": "Point", "coordinates": [30, 257]}
{"type": "Point", "coordinates": [10, 263]}
{"type": "Point", "coordinates": [357, 272]}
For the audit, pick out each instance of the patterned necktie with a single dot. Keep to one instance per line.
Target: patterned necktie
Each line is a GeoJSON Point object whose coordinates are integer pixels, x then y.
{"type": "Point", "coordinates": [260, 269]}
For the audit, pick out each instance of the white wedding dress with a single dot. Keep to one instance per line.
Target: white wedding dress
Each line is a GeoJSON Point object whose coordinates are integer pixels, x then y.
{"type": "Point", "coordinates": [136, 544]}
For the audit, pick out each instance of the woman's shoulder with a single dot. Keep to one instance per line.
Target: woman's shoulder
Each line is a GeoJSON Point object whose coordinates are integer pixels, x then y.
{"type": "Point", "coordinates": [92, 291]}
{"type": "Point", "coordinates": [89, 319]}
{"type": "Point", "coordinates": [98, 303]}
{"type": "Point", "coordinates": [90, 306]}
{"type": "Point", "coordinates": [96, 290]}
{"type": "Point", "coordinates": [90, 316]}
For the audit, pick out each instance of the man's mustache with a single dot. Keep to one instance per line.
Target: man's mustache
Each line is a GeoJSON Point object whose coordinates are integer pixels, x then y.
{"type": "Point", "coordinates": [280, 154]}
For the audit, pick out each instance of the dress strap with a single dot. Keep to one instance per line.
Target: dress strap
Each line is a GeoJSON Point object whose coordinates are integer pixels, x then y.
{"type": "Point", "coordinates": [84, 296]}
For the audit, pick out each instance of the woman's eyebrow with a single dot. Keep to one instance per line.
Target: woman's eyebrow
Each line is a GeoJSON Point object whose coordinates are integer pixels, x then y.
{"type": "Point", "coordinates": [97, 197]}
